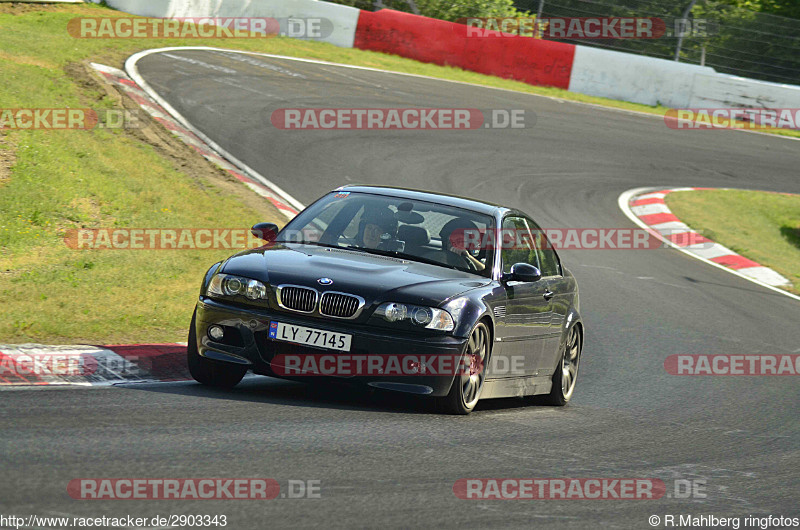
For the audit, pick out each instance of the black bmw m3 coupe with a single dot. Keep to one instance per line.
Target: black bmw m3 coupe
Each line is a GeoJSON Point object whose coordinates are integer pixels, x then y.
{"type": "Point", "coordinates": [401, 290]}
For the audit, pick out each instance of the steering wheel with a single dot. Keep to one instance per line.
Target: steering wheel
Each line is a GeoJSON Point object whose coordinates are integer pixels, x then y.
{"type": "Point", "coordinates": [469, 264]}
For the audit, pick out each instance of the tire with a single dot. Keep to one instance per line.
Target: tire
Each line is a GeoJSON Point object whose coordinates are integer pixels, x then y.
{"type": "Point", "coordinates": [466, 389]}
{"type": "Point", "coordinates": [567, 372]}
{"type": "Point", "coordinates": [208, 372]}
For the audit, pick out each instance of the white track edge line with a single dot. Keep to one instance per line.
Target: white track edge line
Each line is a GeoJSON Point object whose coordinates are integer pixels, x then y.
{"type": "Point", "coordinates": [623, 201]}
{"type": "Point", "coordinates": [420, 76]}
{"type": "Point", "coordinates": [133, 71]}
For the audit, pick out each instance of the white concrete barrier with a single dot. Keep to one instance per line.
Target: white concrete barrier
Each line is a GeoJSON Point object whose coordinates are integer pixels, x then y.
{"type": "Point", "coordinates": [650, 81]}
{"type": "Point", "coordinates": [340, 20]}
{"type": "Point", "coordinates": [636, 78]}
{"type": "Point", "coordinates": [721, 90]}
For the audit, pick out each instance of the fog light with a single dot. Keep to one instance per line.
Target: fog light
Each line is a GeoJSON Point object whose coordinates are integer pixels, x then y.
{"type": "Point", "coordinates": [215, 332]}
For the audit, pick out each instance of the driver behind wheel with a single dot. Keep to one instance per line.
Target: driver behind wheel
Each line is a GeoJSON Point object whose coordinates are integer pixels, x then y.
{"type": "Point", "coordinates": [379, 229]}
{"type": "Point", "coordinates": [455, 251]}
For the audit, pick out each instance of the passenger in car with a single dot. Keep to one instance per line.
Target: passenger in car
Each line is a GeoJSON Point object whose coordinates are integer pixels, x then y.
{"type": "Point", "coordinates": [453, 247]}
{"type": "Point", "coordinates": [378, 227]}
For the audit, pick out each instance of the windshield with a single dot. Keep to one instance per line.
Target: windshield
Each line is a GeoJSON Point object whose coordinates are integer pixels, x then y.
{"type": "Point", "coordinates": [411, 229]}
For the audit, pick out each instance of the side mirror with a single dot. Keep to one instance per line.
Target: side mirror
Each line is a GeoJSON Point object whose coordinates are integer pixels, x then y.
{"type": "Point", "coordinates": [266, 231]}
{"type": "Point", "coordinates": [522, 272]}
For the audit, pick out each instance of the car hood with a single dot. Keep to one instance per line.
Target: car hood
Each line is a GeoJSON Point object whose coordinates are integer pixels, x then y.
{"type": "Point", "coordinates": [374, 278]}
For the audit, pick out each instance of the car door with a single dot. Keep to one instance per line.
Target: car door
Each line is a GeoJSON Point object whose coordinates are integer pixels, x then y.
{"type": "Point", "coordinates": [559, 290]}
{"type": "Point", "coordinates": [526, 325]}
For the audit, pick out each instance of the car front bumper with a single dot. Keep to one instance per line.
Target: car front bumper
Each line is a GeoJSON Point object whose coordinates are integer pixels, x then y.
{"type": "Point", "coordinates": [246, 341]}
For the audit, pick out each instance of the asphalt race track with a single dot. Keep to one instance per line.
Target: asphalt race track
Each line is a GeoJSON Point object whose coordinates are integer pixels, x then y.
{"type": "Point", "coordinates": [393, 462]}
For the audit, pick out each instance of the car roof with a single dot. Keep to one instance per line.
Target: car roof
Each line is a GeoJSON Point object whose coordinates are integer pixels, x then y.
{"type": "Point", "coordinates": [483, 207]}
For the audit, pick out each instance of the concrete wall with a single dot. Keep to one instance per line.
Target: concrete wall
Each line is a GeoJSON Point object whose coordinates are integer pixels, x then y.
{"type": "Point", "coordinates": [635, 78]}
{"type": "Point", "coordinates": [650, 81]}
{"type": "Point", "coordinates": [721, 90]}
{"type": "Point", "coordinates": [343, 19]}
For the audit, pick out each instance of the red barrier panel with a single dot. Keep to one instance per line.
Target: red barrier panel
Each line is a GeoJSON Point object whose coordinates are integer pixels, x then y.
{"type": "Point", "coordinates": [534, 61]}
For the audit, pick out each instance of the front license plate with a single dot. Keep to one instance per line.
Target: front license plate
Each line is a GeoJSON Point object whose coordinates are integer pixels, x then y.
{"type": "Point", "coordinates": [309, 336]}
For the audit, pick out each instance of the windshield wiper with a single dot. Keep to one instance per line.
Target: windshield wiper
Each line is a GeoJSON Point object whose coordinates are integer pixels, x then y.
{"type": "Point", "coordinates": [406, 256]}
{"type": "Point", "coordinates": [329, 245]}
{"type": "Point", "coordinates": [389, 253]}
{"type": "Point", "coordinates": [315, 243]}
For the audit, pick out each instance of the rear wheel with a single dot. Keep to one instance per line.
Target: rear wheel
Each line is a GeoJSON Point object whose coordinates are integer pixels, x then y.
{"type": "Point", "coordinates": [467, 387]}
{"type": "Point", "coordinates": [567, 373]}
{"type": "Point", "coordinates": [208, 372]}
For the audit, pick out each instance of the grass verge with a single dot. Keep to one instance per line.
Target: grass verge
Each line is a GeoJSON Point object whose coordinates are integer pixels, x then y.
{"type": "Point", "coordinates": [52, 181]}
{"type": "Point", "coordinates": [762, 226]}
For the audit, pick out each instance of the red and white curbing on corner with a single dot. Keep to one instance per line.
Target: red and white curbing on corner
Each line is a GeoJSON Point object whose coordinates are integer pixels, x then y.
{"type": "Point", "coordinates": [281, 200]}
{"type": "Point", "coordinates": [647, 208]}
{"type": "Point", "coordinates": [26, 365]}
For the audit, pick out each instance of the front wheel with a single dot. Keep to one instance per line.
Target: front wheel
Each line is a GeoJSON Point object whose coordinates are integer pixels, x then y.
{"type": "Point", "coordinates": [206, 371]}
{"type": "Point", "coordinates": [567, 373]}
{"type": "Point", "coordinates": [467, 387]}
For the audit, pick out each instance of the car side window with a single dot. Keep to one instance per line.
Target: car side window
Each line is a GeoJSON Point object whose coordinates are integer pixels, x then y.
{"type": "Point", "coordinates": [517, 243]}
{"type": "Point", "coordinates": [550, 265]}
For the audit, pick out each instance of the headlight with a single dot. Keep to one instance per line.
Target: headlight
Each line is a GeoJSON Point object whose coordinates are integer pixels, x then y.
{"type": "Point", "coordinates": [228, 285]}
{"type": "Point", "coordinates": [427, 317]}
{"type": "Point", "coordinates": [393, 312]}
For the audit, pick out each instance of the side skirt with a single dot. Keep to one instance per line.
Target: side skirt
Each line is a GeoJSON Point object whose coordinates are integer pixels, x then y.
{"type": "Point", "coordinates": [516, 387]}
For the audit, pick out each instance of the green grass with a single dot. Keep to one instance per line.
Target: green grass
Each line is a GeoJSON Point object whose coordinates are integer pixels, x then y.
{"type": "Point", "coordinates": [762, 226]}
{"type": "Point", "coordinates": [105, 178]}
{"type": "Point", "coordinates": [100, 178]}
